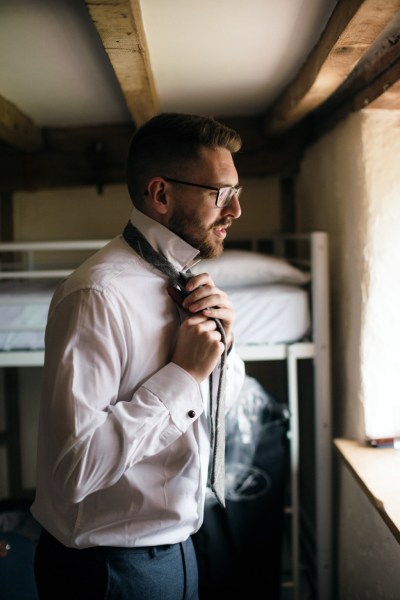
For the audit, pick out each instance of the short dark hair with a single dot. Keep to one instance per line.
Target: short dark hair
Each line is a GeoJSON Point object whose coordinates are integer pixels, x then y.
{"type": "Point", "coordinates": [168, 140]}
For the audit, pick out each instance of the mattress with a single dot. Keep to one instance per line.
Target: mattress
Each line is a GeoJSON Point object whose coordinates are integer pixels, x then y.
{"type": "Point", "coordinates": [265, 314]}
{"type": "Point", "coordinates": [23, 313]}
{"type": "Point", "coordinates": [270, 314]}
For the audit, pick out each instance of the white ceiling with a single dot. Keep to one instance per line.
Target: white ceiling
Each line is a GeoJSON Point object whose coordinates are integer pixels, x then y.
{"type": "Point", "coordinates": [228, 57]}
{"type": "Point", "coordinates": [53, 65]}
{"type": "Point", "coordinates": [221, 57]}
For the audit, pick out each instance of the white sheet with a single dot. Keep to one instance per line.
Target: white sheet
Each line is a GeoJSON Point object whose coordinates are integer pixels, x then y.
{"type": "Point", "coordinates": [270, 314]}
{"type": "Point", "coordinates": [265, 314]}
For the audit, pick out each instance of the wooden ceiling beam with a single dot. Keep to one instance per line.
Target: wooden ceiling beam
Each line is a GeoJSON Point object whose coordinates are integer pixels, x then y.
{"type": "Point", "coordinates": [374, 83]}
{"type": "Point", "coordinates": [119, 24]}
{"type": "Point", "coordinates": [390, 100]}
{"type": "Point", "coordinates": [71, 157]}
{"type": "Point", "coordinates": [17, 129]}
{"type": "Point", "coordinates": [351, 29]}
{"type": "Point", "coordinates": [96, 156]}
{"type": "Point", "coordinates": [263, 155]}
{"type": "Point", "coordinates": [367, 86]}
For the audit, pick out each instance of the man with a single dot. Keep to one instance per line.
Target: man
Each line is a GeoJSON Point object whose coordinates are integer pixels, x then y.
{"type": "Point", "coordinates": [124, 441]}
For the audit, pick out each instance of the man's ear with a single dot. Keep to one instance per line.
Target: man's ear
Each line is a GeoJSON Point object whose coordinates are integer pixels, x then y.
{"type": "Point", "coordinates": [157, 198]}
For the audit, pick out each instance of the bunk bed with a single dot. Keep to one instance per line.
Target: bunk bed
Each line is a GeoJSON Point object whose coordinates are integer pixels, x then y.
{"type": "Point", "coordinates": [299, 331]}
{"type": "Point", "coordinates": [302, 296]}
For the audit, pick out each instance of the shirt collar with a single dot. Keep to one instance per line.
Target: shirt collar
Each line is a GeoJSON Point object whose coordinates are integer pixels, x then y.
{"type": "Point", "coordinates": [181, 254]}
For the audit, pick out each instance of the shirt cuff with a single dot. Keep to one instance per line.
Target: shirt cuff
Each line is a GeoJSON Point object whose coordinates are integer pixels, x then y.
{"type": "Point", "coordinates": [179, 393]}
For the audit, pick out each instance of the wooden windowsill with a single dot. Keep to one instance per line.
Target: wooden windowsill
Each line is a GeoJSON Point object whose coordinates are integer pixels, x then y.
{"type": "Point", "coordinates": [377, 470]}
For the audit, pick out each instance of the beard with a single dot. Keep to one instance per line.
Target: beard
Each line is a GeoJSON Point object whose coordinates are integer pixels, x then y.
{"type": "Point", "coordinates": [192, 230]}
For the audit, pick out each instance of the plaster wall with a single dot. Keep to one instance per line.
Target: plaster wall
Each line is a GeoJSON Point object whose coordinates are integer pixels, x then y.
{"type": "Point", "coordinates": [331, 197]}
{"type": "Point", "coordinates": [380, 358]}
{"type": "Point", "coordinates": [349, 186]}
{"type": "Point", "coordinates": [369, 555]}
{"type": "Point", "coordinates": [80, 213]}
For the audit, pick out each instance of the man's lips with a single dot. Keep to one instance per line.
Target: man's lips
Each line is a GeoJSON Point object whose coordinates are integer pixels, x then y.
{"type": "Point", "coordinates": [220, 230]}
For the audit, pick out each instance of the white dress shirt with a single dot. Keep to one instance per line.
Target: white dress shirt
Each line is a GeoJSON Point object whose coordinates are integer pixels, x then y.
{"type": "Point", "coordinates": [123, 446]}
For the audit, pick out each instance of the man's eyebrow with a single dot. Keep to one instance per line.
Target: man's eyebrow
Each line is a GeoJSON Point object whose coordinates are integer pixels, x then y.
{"type": "Point", "coordinates": [220, 185]}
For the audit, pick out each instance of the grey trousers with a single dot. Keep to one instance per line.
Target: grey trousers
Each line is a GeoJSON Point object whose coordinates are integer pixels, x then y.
{"type": "Point", "coordinates": [109, 573]}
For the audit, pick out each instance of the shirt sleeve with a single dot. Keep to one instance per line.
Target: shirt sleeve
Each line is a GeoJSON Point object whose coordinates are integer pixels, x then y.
{"type": "Point", "coordinates": [93, 437]}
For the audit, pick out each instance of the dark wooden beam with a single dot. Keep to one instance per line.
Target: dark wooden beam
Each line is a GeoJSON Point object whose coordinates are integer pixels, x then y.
{"type": "Point", "coordinates": [351, 29]}
{"type": "Point", "coordinates": [389, 100]}
{"type": "Point", "coordinates": [371, 80]}
{"type": "Point", "coordinates": [263, 155]}
{"type": "Point", "coordinates": [17, 129]}
{"type": "Point", "coordinates": [276, 156]}
{"type": "Point", "coordinates": [71, 157]}
{"type": "Point", "coordinates": [95, 156]}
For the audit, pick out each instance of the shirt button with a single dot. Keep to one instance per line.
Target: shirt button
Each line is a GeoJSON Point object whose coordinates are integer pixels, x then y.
{"type": "Point", "coordinates": [191, 414]}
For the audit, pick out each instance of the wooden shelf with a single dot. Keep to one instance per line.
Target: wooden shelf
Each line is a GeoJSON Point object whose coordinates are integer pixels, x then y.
{"type": "Point", "coordinates": [377, 472]}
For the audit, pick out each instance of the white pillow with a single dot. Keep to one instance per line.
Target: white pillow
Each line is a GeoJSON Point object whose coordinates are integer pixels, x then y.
{"type": "Point", "coordinates": [241, 267]}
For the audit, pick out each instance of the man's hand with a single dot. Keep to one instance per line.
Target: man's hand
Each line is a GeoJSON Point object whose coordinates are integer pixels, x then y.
{"type": "Point", "coordinates": [199, 347]}
{"type": "Point", "coordinates": [203, 297]}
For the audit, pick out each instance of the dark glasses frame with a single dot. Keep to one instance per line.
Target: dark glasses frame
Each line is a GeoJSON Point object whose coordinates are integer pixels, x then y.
{"type": "Point", "coordinates": [233, 190]}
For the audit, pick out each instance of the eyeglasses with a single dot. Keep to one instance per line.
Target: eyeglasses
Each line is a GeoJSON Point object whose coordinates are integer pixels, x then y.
{"type": "Point", "coordinates": [225, 193]}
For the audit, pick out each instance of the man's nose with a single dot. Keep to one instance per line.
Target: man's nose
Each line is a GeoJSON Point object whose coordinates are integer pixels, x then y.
{"type": "Point", "coordinates": [233, 209]}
